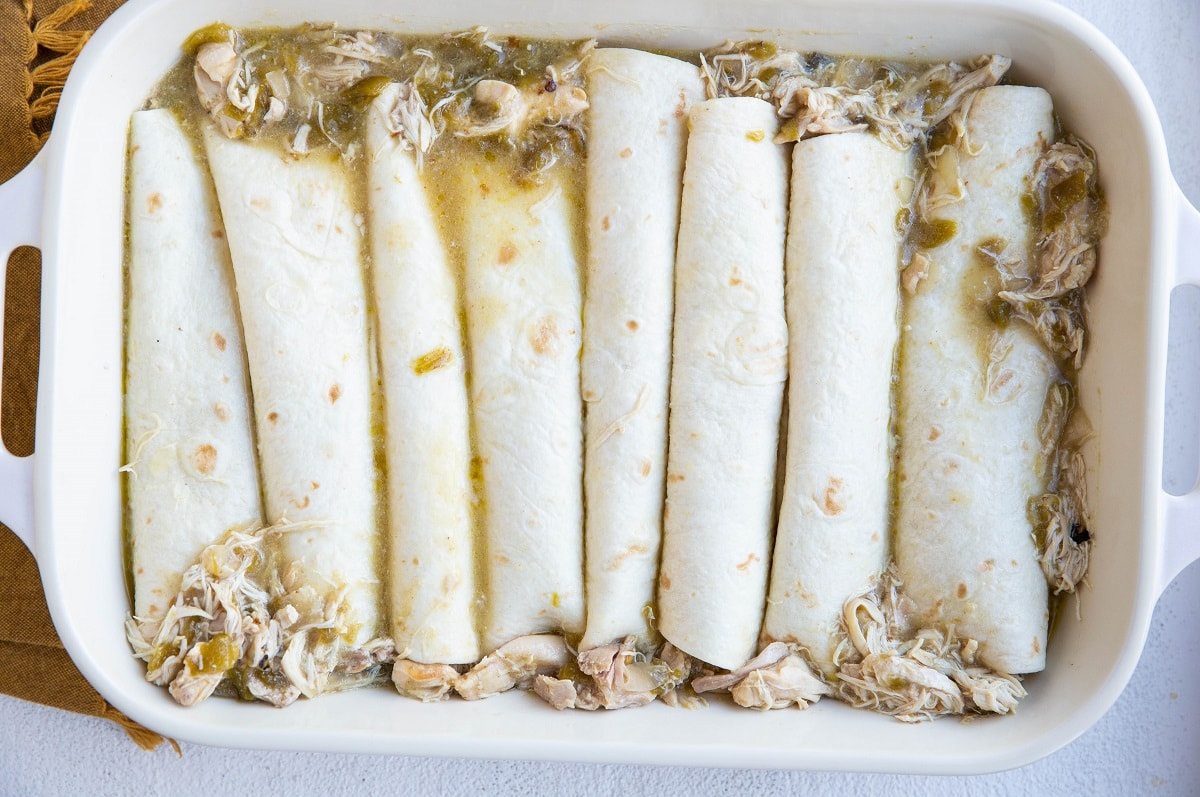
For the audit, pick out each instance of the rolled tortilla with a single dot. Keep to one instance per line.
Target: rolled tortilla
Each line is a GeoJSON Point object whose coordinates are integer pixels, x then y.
{"type": "Point", "coordinates": [187, 401]}
{"type": "Point", "coordinates": [843, 254]}
{"type": "Point", "coordinates": [428, 448]}
{"type": "Point", "coordinates": [523, 303]}
{"type": "Point", "coordinates": [637, 136]}
{"type": "Point", "coordinates": [297, 253]}
{"type": "Point", "coordinates": [728, 369]}
{"type": "Point", "coordinates": [971, 396]}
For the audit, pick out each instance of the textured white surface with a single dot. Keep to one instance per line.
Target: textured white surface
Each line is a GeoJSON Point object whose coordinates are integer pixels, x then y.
{"type": "Point", "coordinates": [1146, 744]}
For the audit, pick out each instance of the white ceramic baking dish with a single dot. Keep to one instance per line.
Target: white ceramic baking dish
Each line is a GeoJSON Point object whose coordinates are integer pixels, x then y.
{"type": "Point", "coordinates": [65, 500]}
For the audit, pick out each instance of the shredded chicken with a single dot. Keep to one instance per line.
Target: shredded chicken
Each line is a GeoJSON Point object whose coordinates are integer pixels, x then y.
{"type": "Point", "coordinates": [682, 695]}
{"type": "Point", "coordinates": [886, 667]}
{"type": "Point", "coordinates": [222, 628]}
{"type": "Point", "coordinates": [223, 87]}
{"type": "Point", "coordinates": [503, 108]}
{"type": "Point", "coordinates": [818, 96]}
{"type": "Point", "coordinates": [612, 677]}
{"type": "Point", "coordinates": [407, 118]}
{"type": "Point", "coordinates": [1061, 524]}
{"type": "Point", "coordinates": [349, 59]}
{"type": "Point", "coordinates": [776, 678]}
{"type": "Point", "coordinates": [788, 681]}
{"type": "Point", "coordinates": [514, 664]}
{"type": "Point", "coordinates": [428, 683]}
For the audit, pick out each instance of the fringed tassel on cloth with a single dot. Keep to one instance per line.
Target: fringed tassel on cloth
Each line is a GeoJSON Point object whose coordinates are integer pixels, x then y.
{"type": "Point", "coordinates": [142, 737]}
{"type": "Point", "coordinates": [47, 79]}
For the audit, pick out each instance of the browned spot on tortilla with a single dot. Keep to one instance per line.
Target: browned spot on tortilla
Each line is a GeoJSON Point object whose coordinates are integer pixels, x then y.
{"type": "Point", "coordinates": [204, 459]}
{"type": "Point", "coordinates": [631, 325]}
{"type": "Point", "coordinates": [502, 559]}
{"type": "Point", "coordinates": [676, 477]}
{"type": "Point", "coordinates": [875, 537]}
{"type": "Point", "coordinates": [337, 228]}
{"type": "Point", "coordinates": [1037, 646]}
{"type": "Point", "coordinates": [272, 416]}
{"type": "Point", "coordinates": [316, 485]}
{"type": "Point", "coordinates": [1014, 562]}
{"type": "Point", "coordinates": [934, 433]}
{"type": "Point", "coordinates": [149, 520]}
{"type": "Point", "coordinates": [735, 277]}
{"type": "Point", "coordinates": [830, 504]}
{"type": "Point", "coordinates": [335, 393]}
{"type": "Point", "coordinates": [627, 152]}
{"type": "Point", "coordinates": [416, 561]}
{"type": "Point", "coordinates": [664, 581]}
{"type": "Point", "coordinates": [988, 565]}
{"type": "Point", "coordinates": [260, 202]}
{"type": "Point", "coordinates": [750, 560]}
{"type": "Point", "coordinates": [484, 190]}
{"type": "Point", "coordinates": [961, 592]}
{"type": "Point", "coordinates": [606, 223]}
{"type": "Point", "coordinates": [589, 395]}
{"type": "Point", "coordinates": [950, 467]}
{"type": "Point", "coordinates": [645, 468]}
{"type": "Point", "coordinates": [218, 234]}
{"type": "Point", "coordinates": [662, 127]}
{"type": "Point", "coordinates": [1002, 380]}
{"type": "Point", "coordinates": [544, 336]}
{"type": "Point", "coordinates": [141, 570]}
{"type": "Point", "coordinates": [221, 411]}
{"type": "Point", "coordinates": [219, 341]}
{"type": "Point", "coordinates": [507, 253]}
{"type": "Point", "coordinates": [681, 106]}
{"type": "Point", "coordinates": [300, 504]}
{"type": "Point", "coordinates": [618, 560]}
{"type": "Point", "coordinates": [154, 202]}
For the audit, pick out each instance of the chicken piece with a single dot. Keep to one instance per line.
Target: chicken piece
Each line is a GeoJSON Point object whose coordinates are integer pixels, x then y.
{"type": "Point", "coordinates": [428, 683]}
{"type": "Point", "coordinates": [503, 108]}
{"type": "Point", "coordinates": [622, 677]}
{"type": "Point", "coordinates": [788, 681]}
{"type": "Point", "coordinates": [770, 655]}
{"type": "Point", "coordinates": [514, 663]}
{"type": "Point", "coordinates": [193, 684]}
{"type": "Point", "coordinates": [682, 695]}
{"type": "Point", "coordinates": [221, 87]}
{"type": "Point", "coordinates": [558, 692]}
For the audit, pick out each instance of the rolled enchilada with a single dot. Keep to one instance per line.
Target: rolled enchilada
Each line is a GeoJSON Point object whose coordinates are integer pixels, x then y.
{"type": "Point", "coordinates": [297, 252]}
{"type": "Point", "coordinates": [728, 368]}
{"type": "Point", "coordinates": [193, 470]}
{"type": "Point", "coordinates": [843, 251]}
{"type": "Point", "coordinates": [427, 438]}
{"type": "Point", "coordinates": [970, 401]}
{"type": "Point", "coordinates": [637, 136]}
{"type": "Point", "coordinates": [523, 307]}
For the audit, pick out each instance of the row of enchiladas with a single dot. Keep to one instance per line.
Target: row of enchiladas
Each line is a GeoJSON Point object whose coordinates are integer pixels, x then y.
{"type": "Point", "coordinates": [367, 408]}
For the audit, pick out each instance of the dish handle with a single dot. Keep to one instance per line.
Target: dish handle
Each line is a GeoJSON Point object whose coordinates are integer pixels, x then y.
{"type": "Point", "coordinates": [1181, 521]}
{"type": "Point", "coordinates": [21, 210]}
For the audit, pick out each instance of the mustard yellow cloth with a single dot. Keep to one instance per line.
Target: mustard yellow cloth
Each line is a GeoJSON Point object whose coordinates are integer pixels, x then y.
{"type": "Point", "coordinates": [39, 40]}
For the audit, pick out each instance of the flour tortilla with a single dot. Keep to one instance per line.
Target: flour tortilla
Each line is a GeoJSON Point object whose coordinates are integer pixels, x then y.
{"type": "Point", "coordinates": [193, 473]}
{"type": "Point", "coordinates": [637, 137]}
{"type": "Point", "coordinates": [297, 254]}
{"type": "Point", "coordinates": [970, 402]}
{"type": "Point", "coordinates": [523, 307]}
{"type": "Point", "coordinates": [729, 366]}
{"type": "Point", "coordinates": [427, 422]}
{"type": "Point", "coordinates": [843, 253]}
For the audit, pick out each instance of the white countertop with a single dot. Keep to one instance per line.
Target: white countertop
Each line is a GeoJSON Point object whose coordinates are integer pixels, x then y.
{"type": "Point", "coordinates": [1148, 743]}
